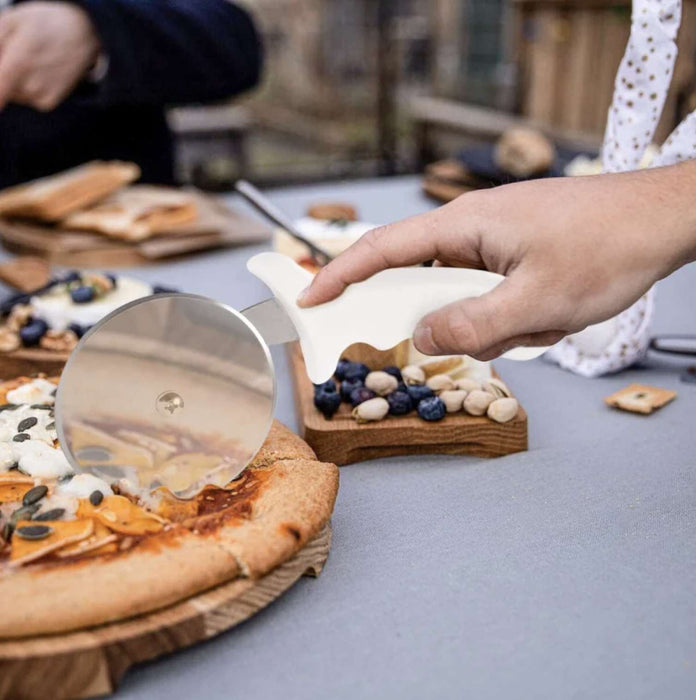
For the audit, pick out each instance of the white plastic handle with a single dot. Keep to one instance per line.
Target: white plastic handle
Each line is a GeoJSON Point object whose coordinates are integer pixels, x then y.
{"type": "Point", "coordinates": [381, 311]}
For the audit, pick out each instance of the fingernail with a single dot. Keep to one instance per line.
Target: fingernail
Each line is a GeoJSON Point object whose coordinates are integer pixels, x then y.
{"type": "Point", "coordinates": [423, 340]}
{"type": "Point", "coordinates": [302, 296]}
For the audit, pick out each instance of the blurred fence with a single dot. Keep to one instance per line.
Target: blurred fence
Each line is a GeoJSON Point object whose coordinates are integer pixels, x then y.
{"type": "Point", "coordinates": [341, 76]}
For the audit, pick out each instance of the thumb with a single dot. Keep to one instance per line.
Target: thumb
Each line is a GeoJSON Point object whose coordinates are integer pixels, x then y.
{"type": "Point", "coordinates": [473, 326]}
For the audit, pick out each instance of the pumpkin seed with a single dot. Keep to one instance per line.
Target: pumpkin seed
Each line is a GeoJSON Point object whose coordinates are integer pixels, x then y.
{"type": "Point", "coordinates": [96, 497]}
{"type": "Point", "coordinates": [7, 530]}
{"type": "Point", "coordinates": [23, 513]}
{"type": "Point", "coordinates": [42, 406]}
{"type": "Point", "coordinates": [51, 426]}
{"type": "Point", "coordinates": [27, 423]}
{"type": "Point", "coordinates": [34, 495]}
{"type": "Point", "coordinates": [21, 437]}
{"type": "Point", "coordinates": [33, 532]}
{"type": "Point", "coordinates": [8, 407]}
{"type": "Point", "coordinates": [53, 514]}
{"type": "Point", "coordinates": [65, 478]}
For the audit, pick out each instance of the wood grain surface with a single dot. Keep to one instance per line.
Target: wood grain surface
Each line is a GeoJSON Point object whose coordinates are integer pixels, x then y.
{"type": "Point", "coordinates": [31, 361]}
{"type": "Point", "coordinates": [342, 441]}
{"type": "Point", "coordinates": [91, 663]}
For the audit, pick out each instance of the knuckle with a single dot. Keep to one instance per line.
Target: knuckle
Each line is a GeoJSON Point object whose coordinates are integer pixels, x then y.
{"type": "Point", "coordinates": [374, 241]}
{"type": "Point", "coordinates": [45, 103]}
{"type": "Point", "coordinates": [459, 333]}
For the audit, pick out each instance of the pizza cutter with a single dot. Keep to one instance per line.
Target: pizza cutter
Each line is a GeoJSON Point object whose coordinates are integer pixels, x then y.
{"type": "Point", "coordinates": [178, 391]}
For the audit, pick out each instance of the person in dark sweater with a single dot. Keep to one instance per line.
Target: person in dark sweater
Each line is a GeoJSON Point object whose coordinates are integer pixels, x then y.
{"type": "Point", "coordinates": [89, 79]}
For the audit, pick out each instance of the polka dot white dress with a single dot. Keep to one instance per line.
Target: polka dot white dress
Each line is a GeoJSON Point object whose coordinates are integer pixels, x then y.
{"type": "Point", "coordinates": [640, 89]}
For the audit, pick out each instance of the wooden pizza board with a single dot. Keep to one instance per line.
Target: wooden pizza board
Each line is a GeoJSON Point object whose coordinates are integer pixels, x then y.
{"type": "Point", "coordinates": [26, 362]}
{"type": "Point", "coordinates": [342, 441]}
{"type": "Point", "coordinates": [92, 662]}
{"type": "Point", "coordinates": [217, 226]}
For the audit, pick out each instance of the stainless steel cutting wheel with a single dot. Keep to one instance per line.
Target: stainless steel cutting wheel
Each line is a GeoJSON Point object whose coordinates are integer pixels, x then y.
{"type": "Point", "coordinates": [173, 390]}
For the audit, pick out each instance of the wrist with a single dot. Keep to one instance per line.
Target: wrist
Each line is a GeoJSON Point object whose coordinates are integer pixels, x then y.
{"type": "Point", "coordinates": [683, 217]}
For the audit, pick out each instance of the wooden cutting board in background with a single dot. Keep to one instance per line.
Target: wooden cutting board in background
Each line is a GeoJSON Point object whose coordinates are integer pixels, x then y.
{"type": "Point", "coordinates": [217, 225]}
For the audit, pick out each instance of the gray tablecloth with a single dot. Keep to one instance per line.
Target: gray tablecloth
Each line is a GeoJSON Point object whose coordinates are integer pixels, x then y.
{"type": "Point", "coordinates": [565, 571]}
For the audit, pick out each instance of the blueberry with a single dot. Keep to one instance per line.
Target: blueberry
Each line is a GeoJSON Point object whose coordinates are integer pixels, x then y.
{"type": "Point", "coordinates": [394, 371]}
{"type": "Point", "coordinates": [160, 289]}
{"type": "Point", "coordinates": [362, 393]}
{"type": "Point", "coordinates": [400, 403]}
{"type": "Point", "coordinates": [356, 370]}
{"type": "Point", "coordinates": [418, 392]}
{"type": "Point", "coordinates": [432, 408]}
{"type": "Point", "coordinates": [8, 303]}
{"type": "Point", "coordinates": [329, 386]}
{"type": "Point", "coordinates": [348, 386]}
{"type": "Point", "coordinates": [69, 277]}
{"type": "Point", "coordinates": [82, 294]}
{"type": "Point", "coordinates": [401, 387]}
{"type": "Point", "coordinates": [32, 333]}
{"type": "Point", "coordinates": [341, 368]}
{"type": "Point", "coordinates": [327, 402]}
{"type": "Point", "coordinates": [77, 329]}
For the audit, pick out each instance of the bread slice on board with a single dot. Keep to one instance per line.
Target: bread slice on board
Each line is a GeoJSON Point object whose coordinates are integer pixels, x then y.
{"type": "Point", "coordinates": [55, 197]}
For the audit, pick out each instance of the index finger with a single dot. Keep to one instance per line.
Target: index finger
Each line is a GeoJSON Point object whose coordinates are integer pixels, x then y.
{"type": "Point", "coordinates": [406, 242]}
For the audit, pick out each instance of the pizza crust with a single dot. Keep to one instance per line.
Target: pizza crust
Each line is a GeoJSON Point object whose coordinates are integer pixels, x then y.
{"type": "Point", "coordinates": [292, 500]}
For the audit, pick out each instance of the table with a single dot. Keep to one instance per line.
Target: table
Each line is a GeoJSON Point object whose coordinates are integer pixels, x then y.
{"type": "Point", "coordinates": [565, 571]}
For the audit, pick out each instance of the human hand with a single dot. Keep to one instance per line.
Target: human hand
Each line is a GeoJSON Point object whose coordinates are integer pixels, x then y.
{"type": "Point", "coordinates": [45, 50]}
{"type": "Point", "coordinates": [575, 251]}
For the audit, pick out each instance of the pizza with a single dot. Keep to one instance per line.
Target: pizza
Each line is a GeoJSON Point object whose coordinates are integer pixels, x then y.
{"type": "Point", "coordinates": [78, 550]}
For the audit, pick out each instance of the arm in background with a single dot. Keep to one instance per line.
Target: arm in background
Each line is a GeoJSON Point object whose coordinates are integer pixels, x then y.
{"type": "Point", "coordinates": [174, 51]}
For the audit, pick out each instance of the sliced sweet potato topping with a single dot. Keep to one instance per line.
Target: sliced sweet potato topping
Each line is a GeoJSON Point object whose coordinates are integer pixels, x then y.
{"type": "Point", "coordinates": [58, 534]}
{"type": "Point", "coordinates": [11, 491]}
{"type": "Point", "coordinates": [101, 541]}
{"type": "Point", "coordinates": [120, 515]}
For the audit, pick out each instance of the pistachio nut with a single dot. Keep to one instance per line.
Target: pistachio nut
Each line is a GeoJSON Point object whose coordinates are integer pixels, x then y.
{"type": "Point", "coordinates": [467, 384]}
{"type": "Point", "coordinates": [413, 374]}
{"type": "Point", "coordinates": [453, 399]}
{"type": "Point", "coordinates": [477, 402]}
{"type": "Point", "coordinates": [371, 410]}
{"type": "Point", "coordinates": [440, 382]}
{"type": "Point", "coordinates": [381, 383]}
{"type": "Point", "coordinates": [503, 410]}
{"type": "Point", "coordinates": [496, 387]}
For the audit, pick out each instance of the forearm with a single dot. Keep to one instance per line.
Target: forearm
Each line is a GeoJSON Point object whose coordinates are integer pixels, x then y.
{"type": "Point", "coordinates": [174, 51]}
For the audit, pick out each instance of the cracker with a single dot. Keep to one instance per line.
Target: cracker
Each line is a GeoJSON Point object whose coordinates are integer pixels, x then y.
{"type": "Point", "coordinates": [54, 197]}
{"type": "Point", "coordinates": [640, 398]}
{"type": "Point", "coordinates": [136, 213]}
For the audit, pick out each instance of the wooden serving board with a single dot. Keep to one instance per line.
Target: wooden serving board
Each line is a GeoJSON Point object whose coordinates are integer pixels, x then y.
{"type": "Point", "coordinates": [217, 226]}
{"type": "Point", "coordinates": [27, 362]}
{"type": "Point", "coordinates": [91, 663]}
{"type": "Point", "coordinates": [342, 441]}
